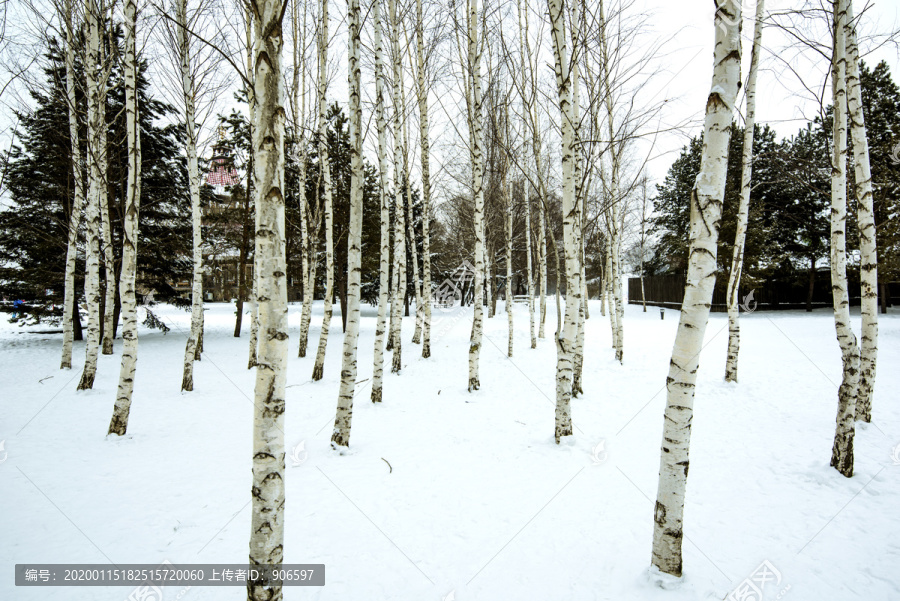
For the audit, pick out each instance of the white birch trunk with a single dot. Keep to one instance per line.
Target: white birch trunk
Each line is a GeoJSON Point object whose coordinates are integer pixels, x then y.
{"type": "Point", "coordinates": [92, 215]}
{"type": "Point", "coordinates": [267, 517]}
{"type": "Point", "coordinates": [509, 270]}
{"type": "Point", "coordinates": [109, 261]}
{"type": "Point", "coordinates": [188, 89]}
{"type": "Point", "coordinates": [71, 295]}
{"type": "Point", "coordinates": [615, 228]}
{"type": "Point", "coordinates": [422, 93]}
{"type": "Point", "coordinates": [384, 264]}
{"type": "Point", "coordinates": [530, 274]}
{"type": "Point", "coordinates": [119, 422]}
{"type": "Point", "coordinates": [578, 175]}
{"type": "Point", "coordinates": [252, 106]}
{"type": "Point", "coordinates": [603, 286]}
{"type": "Point", "coordinates": [568, 330]}
{"type": "Point", "coordinates": [740, 236]}
{"type": "Point", "coordinates": [475, 126]}
{"type": "Point", "coordinates": [866, 224]}
{"type": "Point", "coordinates": [617, 292]}
{"type": "Point", "coordinates": [706, 214]}
{"type": "Point", "coordinates": [411, 233]}
{"type": "Point", "coordinates": [299, 85]}
{"type": "Point", "coordinates": [396, 343]}
{"type": "Point", "coordinates": [325, 165]}
{"type": "Point", "coordinates": [341, 434]}
{"type": "Point", "coordinates": [842, 450]}
{"type": "Point", "coordinates": [542, 263]}
{"type": "Point", "coordinates": [254, 315]}
{"type": "Point", "coordinates": [608, 280]}
{"type": "Point", "coordinates": [488, 279]}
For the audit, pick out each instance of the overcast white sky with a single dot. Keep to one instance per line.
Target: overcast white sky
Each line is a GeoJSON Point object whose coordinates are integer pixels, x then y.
{"type": "Point", "coordinates": [687, 28]}
{"type": "Point", "coordinates": [778, 104]}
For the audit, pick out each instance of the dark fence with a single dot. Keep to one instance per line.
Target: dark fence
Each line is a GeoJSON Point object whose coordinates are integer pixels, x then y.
{"type": "Point", "coordinates": [668, 291]}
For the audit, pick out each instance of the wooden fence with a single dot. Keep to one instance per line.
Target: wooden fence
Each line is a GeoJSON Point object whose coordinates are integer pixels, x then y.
{"type": "Point", "coordinates": [668, 291]}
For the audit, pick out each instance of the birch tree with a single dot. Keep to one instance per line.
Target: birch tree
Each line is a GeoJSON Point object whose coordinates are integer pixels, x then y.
{"type": "Point", "coordinates": [422, 96]}
{"type": "Point", "coordinates": [529, 273]}
{"type": "Point", "coordinates": [568, 329]}
{"type": "Point", "coordinates": [325, 168]}
{"type": "Point", "coordinates": [411, 227]}
{"type": "Point", "coordinates": [70, 297]}
{"type": "Point", "coordinates": [399, 219]}
{"type": "Point", "coordinates": [507, 190]}
{"type": "Point", "coordinates": [119, 422]}
{"type": "Point", "coordinates": [529, 93]}
{"type": "Point", "coordinates": [189, 92]}
{"type": "Point", "coordinates": [385, 253]}
{"type": "Point", "coordinates": [109, 261]}
{"type": "Point", "coordinates": [868, 264]}
{"type": "Point", "coordinates": [298, 35]}
{"type": "Point", "coordinates": [95, 180]}
{"type": "Point", "coordinates": [267, 517]}
{"type": "Point", "coordinates": [706, 212]}
{"type": "Point", "coordinates": [473, 74]}
{"type": "Point", "coordinates": [613, 223]}
{"type": "Point", "coordinates": [740, 236]}
{"type": "Point", "coordinates": [341, 434]}
{"type": "Point", "coordinates": [578, 192]}
{"type": "Point", "coordinates": [250, 83]}
{"type": "Point", "coordinates": [842, 450]}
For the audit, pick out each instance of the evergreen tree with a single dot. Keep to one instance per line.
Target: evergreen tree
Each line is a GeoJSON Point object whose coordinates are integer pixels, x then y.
{"type": "Point", "coordinates": [33, 231]}
{"type": "Point", "coordinates": [672, 209]}
{"type": "Point", "coordinates": [881, 106]}
{"type": "Point", "coordinates": [339, 159]}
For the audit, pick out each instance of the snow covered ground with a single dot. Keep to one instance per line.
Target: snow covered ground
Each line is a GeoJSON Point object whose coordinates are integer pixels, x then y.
{"type": "Point", "coordinates": [447, 495]}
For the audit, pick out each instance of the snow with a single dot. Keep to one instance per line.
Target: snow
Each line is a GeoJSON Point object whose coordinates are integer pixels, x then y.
{"type": "Point", "coordinates": [450, 495]}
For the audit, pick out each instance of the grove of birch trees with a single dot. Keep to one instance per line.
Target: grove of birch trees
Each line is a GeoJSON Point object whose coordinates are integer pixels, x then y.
{"type": "Point", "coordinates": [396, 146]}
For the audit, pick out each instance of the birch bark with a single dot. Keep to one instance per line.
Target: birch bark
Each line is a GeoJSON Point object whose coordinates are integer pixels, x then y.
{"type": "Point", "coordinates": [119, 422]}
{"type": "Point", "coordinates": [842, 450]}
{"type": "Point", "coordinates": [488, 278]}
{"type": "Point", "coordinates": [410, 224]}
{"type": "Point", "coordinates": [299, 39]}
{"type": "Point", "coordinates": [251, 181]}
{"type": "Point", "coordinates": [343, 417]}
{"type": "Point", "coordinates": [706, 214]}
{"type": "Point", "coordinates": [189, 89]}
{"type": "Point", "coordinates": [530, 274]}
{"type": "Point", "coordinates": [740, 236]}
{"type": "Point", "coordinates": [92, 214]}
{"type": "Point", "coordinates": [384, 264]}
{"type": "Point", "coordinates": [542, 262]}
{"type": "Point", "coordinates": [267, 517]}
{"type": "Point", "coordinates": [509, 271]}
{"type": "Point", "coordinates": [865, 223]}
{"type": "Point", "coordinates": [109, 261]}
{"type": "Point", "coordinates": [615, 229]}
{"type": "Point", "coordinates": [422, 93]}
{"type": "Point", "coordinates": [475, 125]}
{"type": "Point", "coordinates": [568, 329]}
{"type": "Point", "coordinates": [325, 165]}
{"type": "Point", "coordinates": [396, 342]}
{"type": "Point", "coordinates": [71, 295]}
{"type": "Point", "coordinates": [578, 193]}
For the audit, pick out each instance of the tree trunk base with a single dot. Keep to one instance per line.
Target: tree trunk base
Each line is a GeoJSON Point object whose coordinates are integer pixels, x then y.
{"type": "Point", "coordinates": [87, 381]}
{"type": "Point", "coordinates": [842, 454]}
